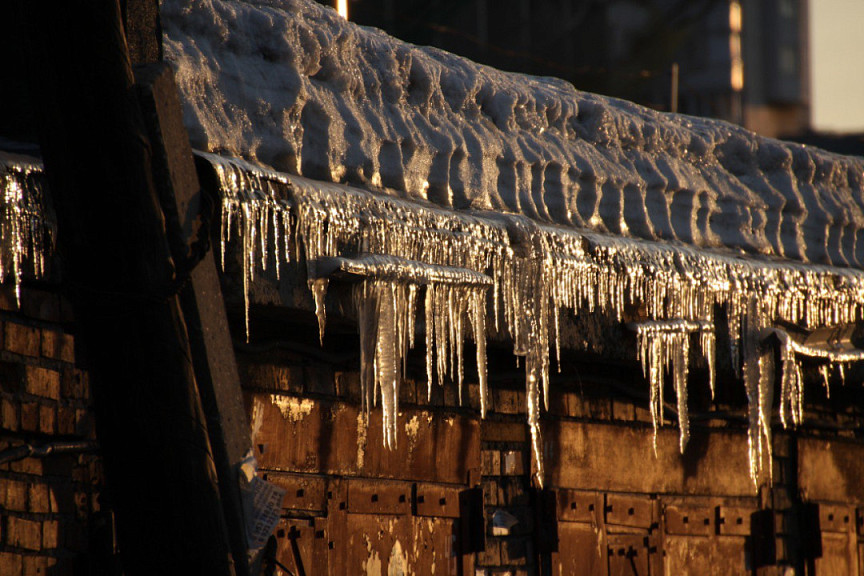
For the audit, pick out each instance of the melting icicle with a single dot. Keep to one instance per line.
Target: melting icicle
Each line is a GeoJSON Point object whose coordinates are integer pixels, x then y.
{"type": "Point", "coordinates": [24, 234]}
{"type": "Point", "coordinates": [319, 293]}
{"type": "Point", "coordinates": [825, 372]}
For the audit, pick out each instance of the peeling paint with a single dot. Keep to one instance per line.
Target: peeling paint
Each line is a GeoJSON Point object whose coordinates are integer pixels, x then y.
{"type": "Point", "coordinates": [292, 409]}
{"type": "Point", "coordinates": [398, 565]}
{"type": "Point", "coordinates": [412, 428]}
{"type": "Point", "coordinates": [257, 416]}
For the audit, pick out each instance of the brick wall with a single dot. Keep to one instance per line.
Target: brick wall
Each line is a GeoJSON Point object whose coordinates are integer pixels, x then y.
{"type": "Point", "coordinates": [46, 504]}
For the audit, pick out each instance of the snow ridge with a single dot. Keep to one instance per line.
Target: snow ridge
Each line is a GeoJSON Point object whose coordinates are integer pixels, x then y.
{"type": "Point", "coordinates": [290, 84]}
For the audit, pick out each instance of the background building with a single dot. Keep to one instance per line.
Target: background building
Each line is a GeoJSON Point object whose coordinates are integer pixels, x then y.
{"type": "Point", "coordinates": [741, 61]}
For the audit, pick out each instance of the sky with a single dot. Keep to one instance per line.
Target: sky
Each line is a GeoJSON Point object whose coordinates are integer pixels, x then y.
{"type": "Point", "coordinates": [837, 65]}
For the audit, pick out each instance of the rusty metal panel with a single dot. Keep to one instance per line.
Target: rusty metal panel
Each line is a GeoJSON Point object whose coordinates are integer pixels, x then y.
{"type": "Point", "coordinates": [299, 434]}
{"type": "Point", "coordinates": [401, 545]}
{"type": "Point", "coordinates": [689, 520]}
{"type": "Point", "coordinates": [628, 555]}
{"type": "Point", "coordinates": [733, 520]}
{"type": "Point", "coordinates": [831, 470]}
{"type": "Point", "coordinates": [633, 511]}
{"type": "Point", "coordinates": [301, 546]}
{"type": "Point", "coordinates": [378, 497]}
{"type": "Point", "coordinates": [581, 550]}
{"type": "Point", "coordinates": [688, 555]}
{"type": "Point", "coordinates": [578, 506]}
{"type": "Point", "coordinates": [301, 492]}
{"type": "Point", "coordinates": [432, 447]}
{"type": "Point", "coordinates": [437, 501]}
{"type": "Point", "coordinates": [835, 518]}
{"type": "Point", "coordinates": [288, 432]}
{"type": "Point", "coordinates": [839, 553]}
{"type": "Point", "coordinates": [609, 457]}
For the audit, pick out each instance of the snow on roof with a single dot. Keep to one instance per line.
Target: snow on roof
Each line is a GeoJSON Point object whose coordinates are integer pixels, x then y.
{"type": "Point", "coordinates": [292, 85]}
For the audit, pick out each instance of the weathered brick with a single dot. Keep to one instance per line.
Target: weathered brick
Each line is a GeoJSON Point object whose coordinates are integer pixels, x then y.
{"type": "Point", "coordinates": [58, 346]}
{"type": "Point", "coordinates": [21, 339]}
{"type": "Point", "coordinates": [40, 500]}
{"type": "Point", "coordinates": [491, 556]}
{"type": "Point", "coordinates": [14, 495]}
{"type": "Point", "coordinates": [490, 493]}
{"type": "Point", "coordinates": [84, 423]}
{"type": "Point", "coordinates": [67, 348]}
{"type": "Point", "coordinates": [74, 384]}
{"type": "Point", "coordinates": [65, 420]}
{"type": "Point", "coordinates": [50, 342]}
{"type": "Point", "coordinates": [491, 462]}
{"type": "Point", "coordinates": [8, 415]}
{"type": "Point", "coordinates": [47, 419]}
{"type": "Point", "coordinates": [30, 416]}
{"type": "Point", "coordinates": [11, 563]}
{"type": "Point", "coordinates": [27, 466]}
{"type": "Point", "coordinates": [50, 534]}
{"type": "Point", "coordinates": [505, 401]}
{"type": "Point", "coordinates": [23, 533]}
{"type": "Point", "coordinates": [35, 565]}
{"type": "Point", "coordinates": [513, 463]}
{"type": "Point", "coordinates": [42, 382]}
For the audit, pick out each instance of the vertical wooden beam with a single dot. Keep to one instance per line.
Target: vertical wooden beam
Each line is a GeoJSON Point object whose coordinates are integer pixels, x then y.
{"type": "Point", "coordinates": [120, 278]}
{"type": "Point", "coordinates": [187, 212]}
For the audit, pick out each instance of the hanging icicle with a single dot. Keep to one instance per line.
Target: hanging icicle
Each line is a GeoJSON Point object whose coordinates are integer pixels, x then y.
{"type": "Point", "coordinates": [661, 344]}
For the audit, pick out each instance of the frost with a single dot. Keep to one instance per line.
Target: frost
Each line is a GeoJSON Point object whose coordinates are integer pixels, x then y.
{"type": "Point", "coordinates": [25, 239]}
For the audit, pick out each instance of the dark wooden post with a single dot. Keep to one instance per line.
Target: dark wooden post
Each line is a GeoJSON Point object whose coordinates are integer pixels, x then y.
{"type": "Point", "coordinates": [121, 280]}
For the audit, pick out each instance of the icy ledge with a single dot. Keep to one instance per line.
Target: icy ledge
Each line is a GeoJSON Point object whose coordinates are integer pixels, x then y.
{"type": "Point", "coordinates": [292, 85]}
{"type": "Point", "coordinates": [411, 254]}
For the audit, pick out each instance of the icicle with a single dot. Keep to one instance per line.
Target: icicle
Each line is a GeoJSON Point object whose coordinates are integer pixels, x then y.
{"type": "Point", "coordinates": [478, 326]}
{"type": "Point", "coordinates": [430, 338]}
{"type": "Point", "coordinates": [318, 286]}
{"type": "Point", "coordinates": [681, 343]}
{"type": "Point", "coordinates": [708, 344]}
{"type": "Point", "coordinates": [532, 396]}
{"type": "Point", "coordinates": [766, 401]}
{"type": "Point", "coordinates": [825, 372]}
{"type": "Point", "coordinates": [759, 388]}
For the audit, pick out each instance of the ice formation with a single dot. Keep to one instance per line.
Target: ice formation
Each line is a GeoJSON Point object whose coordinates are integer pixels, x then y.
{"type": "Point", "coordinates": [24, 237]}
{"type": "Point", "coordinates": [565, 200]}
{"type": "Point", "coordinates": [404, 251]}
{"type": "Point", "coordinates": [665, 343]}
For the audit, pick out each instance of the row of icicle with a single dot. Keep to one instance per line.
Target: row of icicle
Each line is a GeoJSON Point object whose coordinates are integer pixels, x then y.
{"type": "Point", "coordinates": [537, 271]}
{"type": "Point", "coordinates": [25, 238]}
